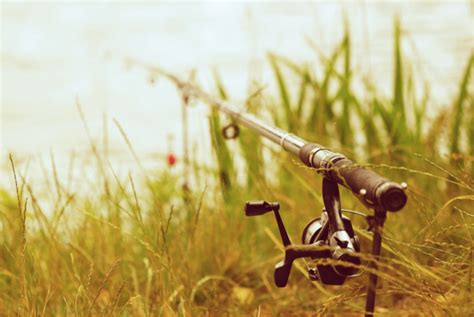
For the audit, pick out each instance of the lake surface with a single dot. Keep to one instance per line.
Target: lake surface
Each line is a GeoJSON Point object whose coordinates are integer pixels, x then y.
{"type": "Point", "coordinates": [53, 53]}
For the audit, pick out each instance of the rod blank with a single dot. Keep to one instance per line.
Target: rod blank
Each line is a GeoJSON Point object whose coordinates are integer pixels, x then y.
{"type": "Point", "coordinates": [373, 189]}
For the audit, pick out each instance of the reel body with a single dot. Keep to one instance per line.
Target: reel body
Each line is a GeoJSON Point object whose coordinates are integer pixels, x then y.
{"type": "Point", "coordinates": [329, 237]}
{"type": "Point", "coordinates": [317, 232]}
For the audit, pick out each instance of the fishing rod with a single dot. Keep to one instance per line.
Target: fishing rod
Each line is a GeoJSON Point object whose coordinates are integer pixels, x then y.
{"type": "Point", "coordinates": [329, 240]}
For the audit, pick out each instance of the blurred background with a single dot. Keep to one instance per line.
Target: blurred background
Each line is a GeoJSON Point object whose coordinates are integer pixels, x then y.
{"type": "Point", "coordinates": [53, 53]}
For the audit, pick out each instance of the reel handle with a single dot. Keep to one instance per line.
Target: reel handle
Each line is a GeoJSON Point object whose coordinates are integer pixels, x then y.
{"type": "Point", "coordinates": [293, 252]}
{"type": "Point", "coordinates": [257, 208]}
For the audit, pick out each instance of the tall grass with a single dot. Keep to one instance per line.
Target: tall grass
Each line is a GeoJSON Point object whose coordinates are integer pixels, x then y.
{"type": "Point", "coordinates": [137, 245]}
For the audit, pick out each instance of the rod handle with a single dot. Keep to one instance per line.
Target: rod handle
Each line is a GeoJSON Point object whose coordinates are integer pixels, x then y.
{"type": "Point", "coordinates": [373, 188]}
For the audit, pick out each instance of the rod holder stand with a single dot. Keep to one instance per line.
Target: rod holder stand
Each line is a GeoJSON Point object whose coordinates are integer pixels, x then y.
{"type": "Point", "coordinates": [376, 223]}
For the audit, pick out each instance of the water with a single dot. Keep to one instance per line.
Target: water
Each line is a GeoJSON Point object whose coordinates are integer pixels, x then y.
{"type": "Point", "coordinates": [53, 53]}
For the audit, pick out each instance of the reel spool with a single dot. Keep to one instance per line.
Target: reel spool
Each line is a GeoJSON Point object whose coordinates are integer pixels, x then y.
{"type": "Point", "coordinates": [316, 232]}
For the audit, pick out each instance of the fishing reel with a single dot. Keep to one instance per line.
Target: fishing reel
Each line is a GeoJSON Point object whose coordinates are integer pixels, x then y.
{"type": "Point", "coordinates": [329, 239]}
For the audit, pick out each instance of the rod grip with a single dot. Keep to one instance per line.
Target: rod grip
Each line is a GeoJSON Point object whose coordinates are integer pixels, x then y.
{"type": "Point", "coordinates": [376, 189]}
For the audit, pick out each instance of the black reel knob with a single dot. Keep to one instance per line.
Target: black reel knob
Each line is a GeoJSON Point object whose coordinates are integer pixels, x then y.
{"type": "Point", "coordinates": [258, 208]}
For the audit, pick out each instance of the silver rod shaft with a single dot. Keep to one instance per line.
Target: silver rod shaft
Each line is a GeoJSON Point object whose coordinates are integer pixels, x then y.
{"type": "Point", "coordinates": [286, 140]}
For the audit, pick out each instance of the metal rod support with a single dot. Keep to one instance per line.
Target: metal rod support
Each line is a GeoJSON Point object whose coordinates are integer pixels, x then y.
{"type": "Point", "coordinates": [380, 216]}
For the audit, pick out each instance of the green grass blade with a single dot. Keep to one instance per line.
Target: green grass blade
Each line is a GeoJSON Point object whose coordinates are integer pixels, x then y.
{"type": "Point", "coordinates": [252, 150]}
{"type": "Point", "coordinates": [322, 111]}
{"type": "Point", "coordinates": [284, 94]}
{"type": "Point", "coordinates": [372, 136]}
{"type": "Point", "coordinates": [470, 133]}
{"type": "Point", "coordinates": [345, 119]}
{"type": "Point", "coordinates": [458, 110]}
{"type": "Point", "coordinates": [398, 96]}
{"type": "Point", "coordinates": [224, 158]}
{"type": "Point", "coordinates": [398, 114]}
{"type": "Point", "coordinates": [302, 96]}
{"type": "Point", "coordinates": [220, 86]}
